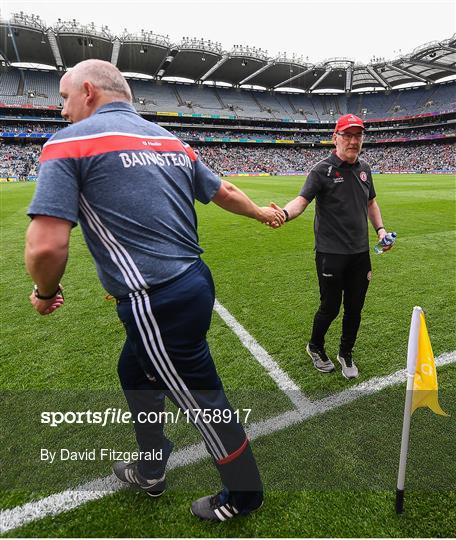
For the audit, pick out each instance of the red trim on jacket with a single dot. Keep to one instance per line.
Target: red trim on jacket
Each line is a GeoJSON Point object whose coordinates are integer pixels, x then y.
{"type": "Point", "coordinates": [94, 146]}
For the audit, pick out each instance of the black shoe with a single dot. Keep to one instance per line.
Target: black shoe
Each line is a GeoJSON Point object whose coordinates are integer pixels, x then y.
{"type": "Point", "coordinates": [129, 474]}
{"type": "Point", "coordinates": [212, 508]}
{"type": "Point", "coordinates": [218, 507]}
{"type": "Point", "coordinates": [320, 358]}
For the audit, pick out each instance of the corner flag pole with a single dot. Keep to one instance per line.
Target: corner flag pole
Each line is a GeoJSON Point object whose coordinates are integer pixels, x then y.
{"type": "Point", "coordinates": [411, 368]}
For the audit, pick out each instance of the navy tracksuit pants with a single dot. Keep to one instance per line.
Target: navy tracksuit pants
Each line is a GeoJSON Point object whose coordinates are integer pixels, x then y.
{"type": "Point", "coordinates": [166, 354]}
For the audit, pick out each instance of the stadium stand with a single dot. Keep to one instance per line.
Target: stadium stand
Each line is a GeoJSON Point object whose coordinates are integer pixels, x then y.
{"type": "Point", "coordinates": [438, 98]}
{"type": "Point", "coordinates": [155, 96]}
{"type": "Point", "coordinates": [200, 99]}
{"type": "Point", "coordinates": [420, 158]}
{"type": "Point", "coordinates": [201, 132]}
{"type": "Point", "coordinates": [242, 103]}
{"type": "Point", "coordinates": [43, 85]}
{"type": "Point", "coordinates": [234, 159]}
{"type": "Point", "coordinates": [245, 129]}
{"type": "Point", "coordinates": [42, 88]}
{"type": "Point", "coordinates": [9, 83]}
{"type": "Point", "coordinates": [18, 161]}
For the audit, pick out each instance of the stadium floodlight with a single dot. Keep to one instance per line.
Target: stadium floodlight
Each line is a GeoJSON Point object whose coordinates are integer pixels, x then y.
{"type": "Point", "coordinates": [22, 19]}
{"type": "Point", "coordinates": [201, 45]}
{"type": "Point", "coordinates": [146, 37]}
{"type": "Point", "coordinates": [252, 52]}
{"type": "Point", "coordinates": [74, 27]}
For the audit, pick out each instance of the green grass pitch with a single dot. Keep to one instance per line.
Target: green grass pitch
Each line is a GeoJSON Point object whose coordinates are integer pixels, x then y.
{"type": "Point", "coordinates": [333, 475]}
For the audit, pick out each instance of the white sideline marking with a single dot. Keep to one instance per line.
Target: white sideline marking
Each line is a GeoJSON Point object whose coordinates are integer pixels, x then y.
{"type": "Point", "coordinates": [96, 489]}
{"type": "Point", "coordinates": [283, 381]}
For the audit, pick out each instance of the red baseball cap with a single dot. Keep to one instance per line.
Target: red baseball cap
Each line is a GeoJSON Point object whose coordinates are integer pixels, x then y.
{"type": "Point", "coordinates": [348, 121]}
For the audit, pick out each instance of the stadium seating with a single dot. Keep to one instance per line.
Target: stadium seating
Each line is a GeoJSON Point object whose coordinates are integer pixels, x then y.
{"type": "Point", "coordinates": [200, 99]}
{"type": "Point", "coordinates": [18, 160]}
{"type": "Point", "coordinates": [418, 158]}
{"type": "Point", "coordinates": [41, 88]}
{"type": "Point", "coordinates": [44, 86]}
{"type": "Point", "coordinates": [437, 98]}
{"type": "Point", "coordinates": [9, 83]}
{"type": "Point", "coordinates": [153, 96]}
{"type": "Point", "coordinates": [242, 103]}
{"type": "Point", "coordinates": [192, 132]}
{"type": "Point", "coordinates": [21, 160]}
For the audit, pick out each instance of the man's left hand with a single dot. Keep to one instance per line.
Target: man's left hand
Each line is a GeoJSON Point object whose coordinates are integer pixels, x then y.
{"type": "Point", "coordinates": [381, 234]}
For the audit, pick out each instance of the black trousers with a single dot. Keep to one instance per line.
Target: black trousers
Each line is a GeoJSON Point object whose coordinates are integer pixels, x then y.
{"type": "Point", "coordinates": [341, 275]}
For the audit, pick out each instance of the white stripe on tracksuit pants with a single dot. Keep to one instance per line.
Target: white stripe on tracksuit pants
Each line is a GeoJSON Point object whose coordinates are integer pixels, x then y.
{"type": "Point", "coordinates": [153, 344]}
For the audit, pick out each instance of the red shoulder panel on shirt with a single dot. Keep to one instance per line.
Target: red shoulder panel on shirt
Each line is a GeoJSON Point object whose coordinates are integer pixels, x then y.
{"type": "Point", "coordinates": [94, 146]}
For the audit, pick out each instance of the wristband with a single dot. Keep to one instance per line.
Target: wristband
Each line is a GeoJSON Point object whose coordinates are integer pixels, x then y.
{"type": "Point", "coordinates": [378, 228]}
{"type": "Point", "coordinates": [45, 297]}
{"type": "Point", "coordinates": [287, 215]}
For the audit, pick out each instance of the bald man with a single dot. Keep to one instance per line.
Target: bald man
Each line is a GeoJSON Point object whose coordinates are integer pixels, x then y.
{"type": "Point", "coordinates": [132, 185]}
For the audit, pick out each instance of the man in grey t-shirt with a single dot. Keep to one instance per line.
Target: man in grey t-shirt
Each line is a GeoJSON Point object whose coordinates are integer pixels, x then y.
{"type": "Point", "coordinates": [343, 188]}
{"type": "Point", "coordinates": [132, 187]}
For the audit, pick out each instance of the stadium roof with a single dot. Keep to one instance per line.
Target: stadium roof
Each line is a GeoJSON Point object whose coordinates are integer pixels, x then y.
{"type": "Point", "coordinates": [27, 39]}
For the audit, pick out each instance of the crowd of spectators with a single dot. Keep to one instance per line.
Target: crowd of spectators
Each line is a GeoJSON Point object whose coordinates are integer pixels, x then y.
{"type": "Point", "coordinates": [227, 159]}
{"type": "Point", "coordinates": [415, 133]}
{"type": "Point", "coordinates": [21, 160]}
{"type": "Point", "coordinates": [422, 158]}
{"type": "Point", "coordinates": [306, 136]}
{"type": "Point", "coordinates": [31, 127]}
{"type": "Point", "coordinates": [192, 135]}
{"type": "Point", "coordinates": [198, 134]}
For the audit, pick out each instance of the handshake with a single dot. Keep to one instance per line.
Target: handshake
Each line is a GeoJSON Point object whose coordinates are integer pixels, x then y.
{"type": "Point", "coordinates": [272, 215]}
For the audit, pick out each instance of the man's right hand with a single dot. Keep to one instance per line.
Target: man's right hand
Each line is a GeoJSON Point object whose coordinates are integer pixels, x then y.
{"type": "Point", "coordinates": [276, 223]}
{"type": "Point", "coordinates": [272, 215]}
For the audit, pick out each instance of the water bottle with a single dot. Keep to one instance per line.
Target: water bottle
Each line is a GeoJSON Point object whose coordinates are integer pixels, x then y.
{"type": "Point", "coordinates": [387, 240]}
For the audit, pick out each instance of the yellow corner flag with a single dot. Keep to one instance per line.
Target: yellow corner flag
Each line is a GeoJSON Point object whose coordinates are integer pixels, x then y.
{"type": "Point", "coordinates": [422, 390]}
{"type": "Point", "coordinates": [425, 387]}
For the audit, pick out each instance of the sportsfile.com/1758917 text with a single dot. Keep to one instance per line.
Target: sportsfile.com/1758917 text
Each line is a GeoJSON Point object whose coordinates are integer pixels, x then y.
{"type": "Point", "coordinates": [113, 415]}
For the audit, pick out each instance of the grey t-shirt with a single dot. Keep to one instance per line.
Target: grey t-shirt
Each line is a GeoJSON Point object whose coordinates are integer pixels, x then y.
{"type": "Point", "coordinates": [132, 186]}
{"type": "Point", "coordinates": [342, 192]}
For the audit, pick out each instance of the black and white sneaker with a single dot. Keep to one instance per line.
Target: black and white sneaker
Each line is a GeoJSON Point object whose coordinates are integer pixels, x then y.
{"type": "Point", "coordinates": [214, 507]}
{"type": "Point", "coordinates": [349, 370]}
{"type": "Point", "coordinates": [129, 474]}
{"type": "Point", "coordinates": [320, 359]}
